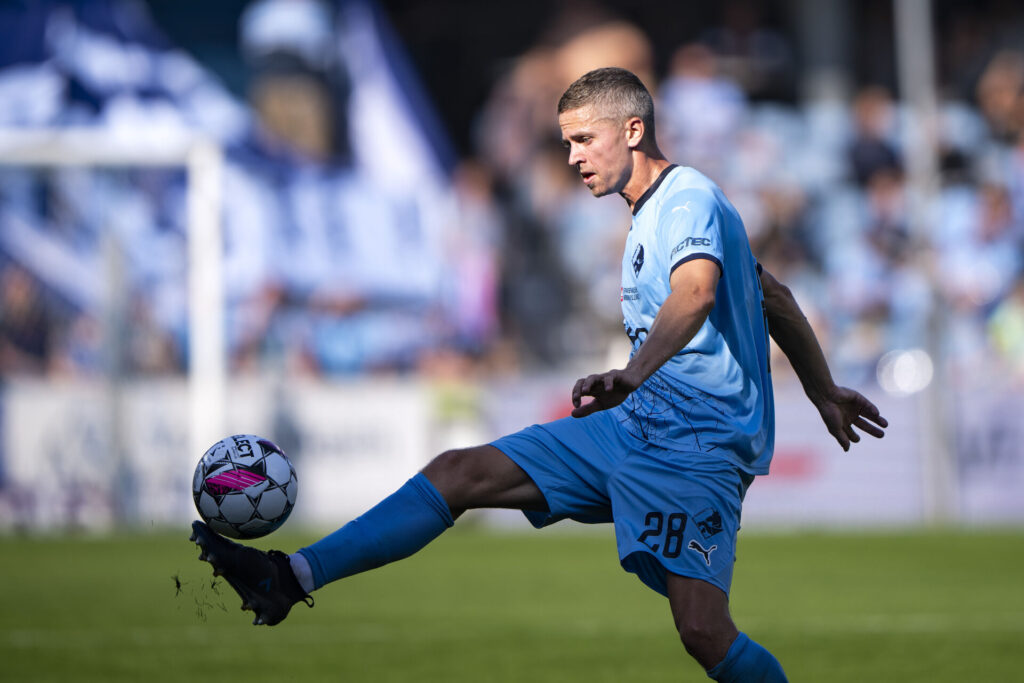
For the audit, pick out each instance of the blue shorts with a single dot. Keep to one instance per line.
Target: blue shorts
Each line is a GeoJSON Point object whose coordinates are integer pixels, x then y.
{"type": "Point", "coordinates": [672, 511]}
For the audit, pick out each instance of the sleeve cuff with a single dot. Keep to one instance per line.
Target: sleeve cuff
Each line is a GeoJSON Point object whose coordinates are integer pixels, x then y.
{"type": "Point", "coordinates": [691, 257]}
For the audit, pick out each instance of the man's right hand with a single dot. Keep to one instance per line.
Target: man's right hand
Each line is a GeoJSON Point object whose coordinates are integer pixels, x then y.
{"type": "Point", "coordinates": [608, 390]}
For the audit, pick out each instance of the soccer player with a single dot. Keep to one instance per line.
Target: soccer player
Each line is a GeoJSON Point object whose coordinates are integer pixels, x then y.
{"type": "Point", "coordinates": [664, 448]}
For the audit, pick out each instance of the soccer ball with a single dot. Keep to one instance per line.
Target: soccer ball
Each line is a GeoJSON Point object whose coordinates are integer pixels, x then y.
{"type": "Point", "coordinates": [244, 486]}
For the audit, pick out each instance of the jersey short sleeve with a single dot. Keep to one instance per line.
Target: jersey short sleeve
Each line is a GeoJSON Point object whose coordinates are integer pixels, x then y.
{"type": "Point", "coordinates": [691, 228]}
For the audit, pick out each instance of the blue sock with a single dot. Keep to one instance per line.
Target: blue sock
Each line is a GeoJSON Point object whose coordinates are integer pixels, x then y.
{"type": "Point", "coordinates": [395, 528]}
{"type": "Point", "coordinates": [747, 662]}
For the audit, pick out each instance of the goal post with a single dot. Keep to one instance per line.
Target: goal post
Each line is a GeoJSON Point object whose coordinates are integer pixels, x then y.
{"type": "Point", "coordinates": [207, 345]}
{"type": "Point", "coordinates": [203, 163]}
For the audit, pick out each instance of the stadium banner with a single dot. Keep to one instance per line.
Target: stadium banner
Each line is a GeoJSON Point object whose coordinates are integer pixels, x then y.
{"type": "Point", "coordinates": [990, 455]}
{"type": "Point", "coordinates": [813, 482]}
{"type": "Point", "coordinates": [356, 441]}
{"type": "Point", "coordinates": [352, 443]}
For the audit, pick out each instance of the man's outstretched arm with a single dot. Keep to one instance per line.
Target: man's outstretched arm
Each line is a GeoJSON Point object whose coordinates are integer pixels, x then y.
{"type": "Point", "coordinates": [841, 409]}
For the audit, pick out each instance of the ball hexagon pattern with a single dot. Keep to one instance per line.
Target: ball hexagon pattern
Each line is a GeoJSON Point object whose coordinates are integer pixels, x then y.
{"type": "Point", "coordinates": [244, 486]}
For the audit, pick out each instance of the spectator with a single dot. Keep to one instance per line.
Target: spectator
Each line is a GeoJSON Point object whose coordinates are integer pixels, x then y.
{"type": "Point", "coordinates": [980, 267]}
{"type": "Point", "coordinates": [297, 88]}
{"type": "Point", "coordinates": [871, 149]}
{"type": "Point", "coordinates": [755, 56]}
{"type": "Point", "coordinates": [1006, 327]}
{"type": "Point", "coordinates": [702, 111]}
{"type": "Point", "coordinates": [26, 324]}
{"type": "Point", "coordinates": [999, 94]}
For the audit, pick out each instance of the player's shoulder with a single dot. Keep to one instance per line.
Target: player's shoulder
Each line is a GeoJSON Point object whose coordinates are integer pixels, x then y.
{"type": "Point", "coordinates": [688, 193]}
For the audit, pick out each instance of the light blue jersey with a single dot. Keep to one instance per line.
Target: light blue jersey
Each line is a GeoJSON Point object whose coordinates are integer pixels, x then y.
{"type": "Point", "coordinates": [670, 466]}
{"type": "Point", "coordinates": [714, 397]}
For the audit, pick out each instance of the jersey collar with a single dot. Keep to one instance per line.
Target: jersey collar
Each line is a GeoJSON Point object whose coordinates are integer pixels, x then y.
{"type": "Point", "coordinates": [652, 189]}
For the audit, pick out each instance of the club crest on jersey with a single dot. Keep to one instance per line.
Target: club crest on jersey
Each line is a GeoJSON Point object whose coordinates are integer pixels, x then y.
{"type": "Point", "coordinates": [638, 259]}
{"type": "Point", "coordinates": [709, 522]}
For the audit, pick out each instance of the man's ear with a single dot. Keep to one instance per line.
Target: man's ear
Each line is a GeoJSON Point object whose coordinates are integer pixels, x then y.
{"type": "Point", "coordinates": [634, 131]}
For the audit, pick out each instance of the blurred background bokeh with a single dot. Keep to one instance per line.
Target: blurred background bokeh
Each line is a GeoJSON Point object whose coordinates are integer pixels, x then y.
{"type": "Point", "coordinates": [410, 264]}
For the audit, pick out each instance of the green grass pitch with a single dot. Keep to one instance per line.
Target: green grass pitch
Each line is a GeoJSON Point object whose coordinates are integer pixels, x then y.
{"type": "Point", "coordinates": [480, 606]}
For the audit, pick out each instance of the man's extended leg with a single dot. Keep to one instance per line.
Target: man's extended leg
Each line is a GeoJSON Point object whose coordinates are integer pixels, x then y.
{"type": "Point", "coordinates": [701, 614]}
{"type": "Point", "coordinates": [395, 528]}
{"type": "Point", "coordinates": [417, 513]}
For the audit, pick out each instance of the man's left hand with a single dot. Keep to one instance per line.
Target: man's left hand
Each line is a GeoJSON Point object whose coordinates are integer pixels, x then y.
{"type": "Point", "coordinates": [842, 409]}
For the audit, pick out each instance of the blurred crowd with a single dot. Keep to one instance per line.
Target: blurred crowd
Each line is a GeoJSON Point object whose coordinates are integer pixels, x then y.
{"type": "Point", "coordinates": [356, 242]}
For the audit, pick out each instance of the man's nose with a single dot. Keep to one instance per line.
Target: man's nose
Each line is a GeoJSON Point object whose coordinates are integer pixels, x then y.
{"type": "Point", "coordinates": [574, 156]}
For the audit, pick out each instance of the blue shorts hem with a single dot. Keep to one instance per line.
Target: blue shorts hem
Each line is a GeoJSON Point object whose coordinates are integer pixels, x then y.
{"type": "Point", "coordinates": [538, 518]}
{"type": "Point", "coordinates": [653, 572]}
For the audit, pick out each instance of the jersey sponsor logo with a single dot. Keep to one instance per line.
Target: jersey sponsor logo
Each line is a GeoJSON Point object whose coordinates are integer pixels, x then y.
{"type": "Point", "coordinates": [691, 242]}
{"type": "Point", "coordinates": [638, 259]}
{"type": "Point", "coordinates": [697, 547]}
{"type": "Point", "coordinates": [709, 522]}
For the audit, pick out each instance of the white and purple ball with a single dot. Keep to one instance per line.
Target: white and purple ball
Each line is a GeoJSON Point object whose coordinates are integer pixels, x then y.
{"type": "Point", "coordinates": [244, 486]}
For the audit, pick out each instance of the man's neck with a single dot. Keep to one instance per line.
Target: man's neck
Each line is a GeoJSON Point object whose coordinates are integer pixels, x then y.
{"type": "Point", "coordinates": [645, 171]}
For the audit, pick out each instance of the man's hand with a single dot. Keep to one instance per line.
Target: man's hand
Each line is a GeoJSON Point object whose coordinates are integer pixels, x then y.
{"type": "Point", "coordinates": [608, 390]}
{"type": "Point", "coordinates": [843, 409]}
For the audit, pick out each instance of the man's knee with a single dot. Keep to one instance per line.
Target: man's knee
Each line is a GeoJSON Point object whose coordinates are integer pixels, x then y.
{"type": "Point", "coordinates": [458, 474]}
{"type": "Point", "coordinates": [706, 641]}
{"type": "Point", "coordinates": [467, 477]}
{"type": "Point", "coordinates": [701, 614]}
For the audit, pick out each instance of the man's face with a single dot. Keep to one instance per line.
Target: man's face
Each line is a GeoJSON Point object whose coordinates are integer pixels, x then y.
{"type": "Point", "coordinates": [598, 148]}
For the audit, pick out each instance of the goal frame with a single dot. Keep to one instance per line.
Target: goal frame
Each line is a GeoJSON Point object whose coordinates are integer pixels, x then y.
{"type": "Point", "coordinates": [203, 162]}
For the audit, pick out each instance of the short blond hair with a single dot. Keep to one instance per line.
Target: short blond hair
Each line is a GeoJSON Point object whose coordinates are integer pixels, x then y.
{"type": "Point", "coordinates": [616, 91]}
